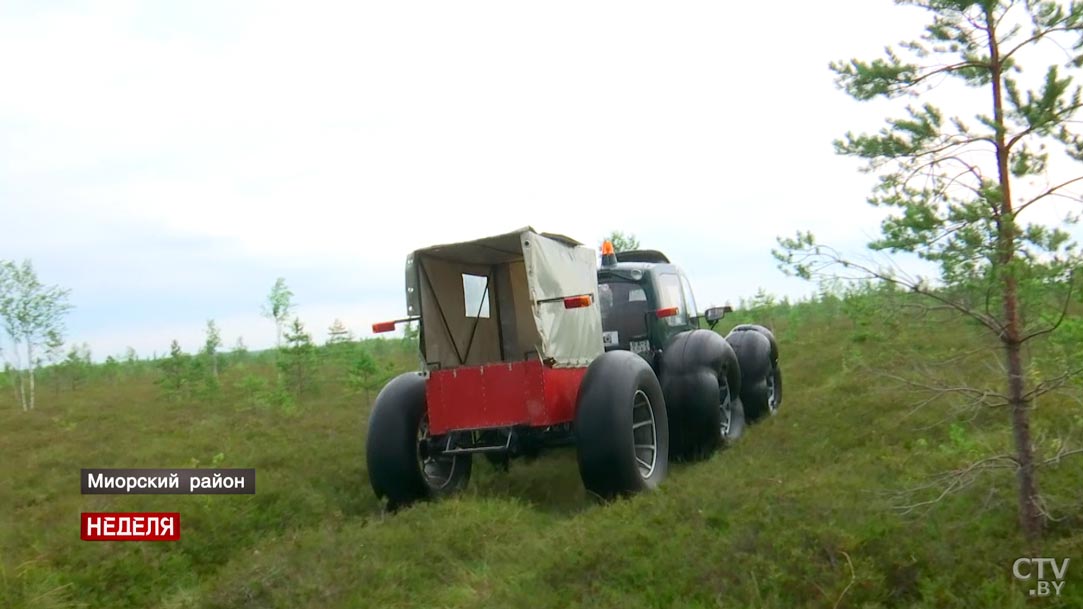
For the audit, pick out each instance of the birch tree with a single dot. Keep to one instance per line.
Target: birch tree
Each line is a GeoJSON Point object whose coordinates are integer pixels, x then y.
{"type": "Point", "coordinates": [33, 318]}
{"type": "Point", "coordinates": [211, 344]}
{"type": "Point", "coordinates": [278, 308]}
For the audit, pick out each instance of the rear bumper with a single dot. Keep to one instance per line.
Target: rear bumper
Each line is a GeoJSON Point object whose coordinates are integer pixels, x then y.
{"type": "Point", "coordinates": [501, 395]}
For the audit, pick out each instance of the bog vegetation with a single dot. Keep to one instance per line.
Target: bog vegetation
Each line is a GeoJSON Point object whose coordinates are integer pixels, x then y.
{"type": "Point", "coordinates": [836, 502]}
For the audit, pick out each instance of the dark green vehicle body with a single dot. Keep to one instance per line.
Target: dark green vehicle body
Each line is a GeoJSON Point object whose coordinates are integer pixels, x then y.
{"type": "Point", "coordinates": [631, 293]}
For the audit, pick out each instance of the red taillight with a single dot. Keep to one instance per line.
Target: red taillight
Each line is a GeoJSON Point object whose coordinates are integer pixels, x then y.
{"type": "Point", "coordinates": [384, 326]}
{"type": "Point", "coordinates": [669, 312]}
{"type": "Point", "coordinates": [575, 302]}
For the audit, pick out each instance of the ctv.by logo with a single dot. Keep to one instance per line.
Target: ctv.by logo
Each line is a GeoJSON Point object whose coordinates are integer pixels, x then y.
{"type": "Point", "coordinates": [1024, 569]}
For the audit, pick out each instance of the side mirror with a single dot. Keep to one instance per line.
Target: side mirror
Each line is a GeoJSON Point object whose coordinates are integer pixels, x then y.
{"type": "Point", "coordinates": [714, 314]}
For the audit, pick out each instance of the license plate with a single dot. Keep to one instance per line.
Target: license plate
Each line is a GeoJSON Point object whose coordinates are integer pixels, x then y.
{"type": "Point", "coordinates": [640, 346]}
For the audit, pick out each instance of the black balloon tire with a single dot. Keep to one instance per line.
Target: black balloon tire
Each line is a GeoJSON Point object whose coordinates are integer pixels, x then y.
{"type": "Point", "coordinates": [757, 351]}
{"type": "Point", "coordinates": [695, 366]}
{"type": "Point", "coordinates": [391, 449]}
{"type": "Point", "coordinates": [604, 417]}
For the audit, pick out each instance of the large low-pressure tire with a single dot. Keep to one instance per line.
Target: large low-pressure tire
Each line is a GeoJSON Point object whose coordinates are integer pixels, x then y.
{"type": "Point", "coordinates": [761, 376]}
{"type": "Point", "coordinates": [622, 431]}
{"type": "Point", "coordinates": [701, 381]}
{"type": "Point", "coordinates": [399, 463]}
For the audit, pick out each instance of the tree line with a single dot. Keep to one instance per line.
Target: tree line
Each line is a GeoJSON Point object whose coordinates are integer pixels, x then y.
{"type": "Point", "coordinates": [32, 314]}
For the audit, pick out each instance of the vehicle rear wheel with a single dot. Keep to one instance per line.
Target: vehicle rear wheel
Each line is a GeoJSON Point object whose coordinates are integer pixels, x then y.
{"type": "Point", "coordinates": [761, 376]}
{"type": "Point", "coordinates": [622, 430]}
{"type": "Point", "coordinates": [403, 464]}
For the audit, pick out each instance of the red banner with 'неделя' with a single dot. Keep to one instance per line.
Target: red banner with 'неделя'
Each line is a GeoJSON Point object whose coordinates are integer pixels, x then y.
{"type": "Point", "coordinates": [130, 526]}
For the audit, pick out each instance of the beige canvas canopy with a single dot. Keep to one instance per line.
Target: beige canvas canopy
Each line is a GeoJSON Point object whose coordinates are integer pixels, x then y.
{"type": "Point", "coordinates": [501, 299]}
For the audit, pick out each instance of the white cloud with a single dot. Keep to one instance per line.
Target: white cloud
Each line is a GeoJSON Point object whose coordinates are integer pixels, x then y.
{"type": "Point", "coordinates": [330, 139]}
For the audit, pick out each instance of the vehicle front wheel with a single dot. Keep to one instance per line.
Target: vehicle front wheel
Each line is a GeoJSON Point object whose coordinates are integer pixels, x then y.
{"type": "Point", "coordinates": [404, 464]}
{"type": "Point", "coordinates": [622, 431]}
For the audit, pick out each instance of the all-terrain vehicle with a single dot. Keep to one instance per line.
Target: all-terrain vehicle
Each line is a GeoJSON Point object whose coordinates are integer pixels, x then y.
{"type": "Point", "coordinates": [527, 344]}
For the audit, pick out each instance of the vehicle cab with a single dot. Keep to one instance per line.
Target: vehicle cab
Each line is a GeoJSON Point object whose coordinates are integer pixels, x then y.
{"type": "Point", "coordinates": [644, 300]}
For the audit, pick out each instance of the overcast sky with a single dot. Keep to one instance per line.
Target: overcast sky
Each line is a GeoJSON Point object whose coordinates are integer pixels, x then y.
{"type": "Point", "coordinates": [168, 160]}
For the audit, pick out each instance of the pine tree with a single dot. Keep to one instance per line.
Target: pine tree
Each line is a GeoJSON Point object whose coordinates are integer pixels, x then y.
{"type": "Point", "coordinates": [365, 374]}
{"type": "Point", "coordinates": [111, 369]}
{"type": "Point", "coordinates": [961, 190]}
{"type": "Point", "coordinates": [175, 372]}
{"type": "Point", "coordinates": [240, 351]}
{"type": "Point", "coordinates": [338, 333]}
{"type": "Point", "coordinates": [411, 336]}
{"type": "Point", "coordinates": [297, 359]}
{"type": "Point", "coordinates": [76, 366]}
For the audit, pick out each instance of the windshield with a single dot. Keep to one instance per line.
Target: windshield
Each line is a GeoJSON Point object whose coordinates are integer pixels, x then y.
{"type": "Point", "coordinates": [624, 310]}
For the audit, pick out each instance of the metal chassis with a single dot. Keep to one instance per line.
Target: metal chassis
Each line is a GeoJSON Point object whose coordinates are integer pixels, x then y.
{"type": "Point", "coordinates": [502, 442]}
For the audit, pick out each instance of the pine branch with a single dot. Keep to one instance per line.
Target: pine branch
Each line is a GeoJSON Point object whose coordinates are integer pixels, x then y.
{"type": "Point", "coordinates": [956, 480]}
{"type": "Point", "coordinates": [1039, 36]}
{"type": "Point", "coordinates": [1045, 386]}
{"type": "Point", "coordinates": [1051, 191]}
{"type": "Point", "coordinates": [1060, 319]}
{"type": "Point", "coordinates": [833, 258]}
{"type": "Point", "coordinates": [1057, 117]}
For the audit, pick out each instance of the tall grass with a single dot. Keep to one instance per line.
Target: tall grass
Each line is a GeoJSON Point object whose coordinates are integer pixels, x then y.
{"type": "Point", "coordinates": [803, 512]}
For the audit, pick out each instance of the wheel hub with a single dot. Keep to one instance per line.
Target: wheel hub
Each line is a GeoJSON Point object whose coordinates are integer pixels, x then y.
{"type": "Point", "coordinates": [725, 407]}
{"type": "Point", "coordinates": [644, 434]}
{"type": "Point", "coordinates": [437, 470]}
{"type": "Point", "coordinates": [772, 396]}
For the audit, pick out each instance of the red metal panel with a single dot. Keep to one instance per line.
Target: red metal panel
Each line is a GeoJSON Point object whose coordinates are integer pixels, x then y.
{"type": "Point", "coordinates": [561, 387]}
{"type": "Point", "coordinates": [452, 396]}
{"type": "Point", "coordinates": [536, 406]}
{"type": "Point", "coordinates": [501, 395]}
{"type": "Point", "coordinates": [505, 395]}
{"type": "Point", "coordinates": [477, 397]}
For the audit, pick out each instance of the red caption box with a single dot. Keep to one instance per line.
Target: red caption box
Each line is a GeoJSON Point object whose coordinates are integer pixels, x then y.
{"type": "Point", "coordinates": [130, 526]}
